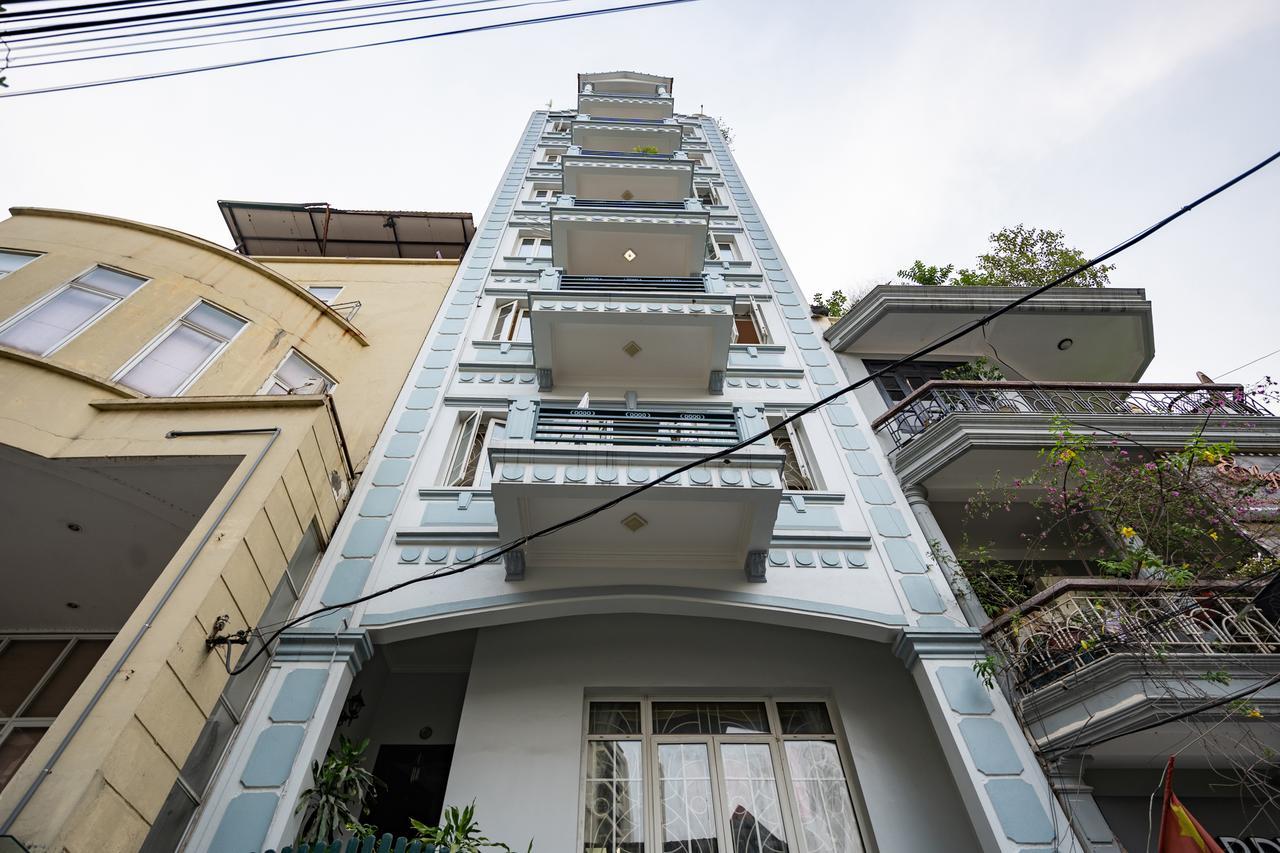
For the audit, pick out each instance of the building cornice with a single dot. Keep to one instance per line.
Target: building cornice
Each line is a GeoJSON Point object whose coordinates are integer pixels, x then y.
{"type": "Point", "coordinates": [53, 366]}
{"type": "Point", "coordinates": [930, 643]}
{"type": "Point", "coordinates": [238, 401]}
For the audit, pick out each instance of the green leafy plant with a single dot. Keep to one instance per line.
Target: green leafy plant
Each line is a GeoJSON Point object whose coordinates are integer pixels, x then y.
{"type": "Point", "coordinates": [981, 369]}
{"type": "Point", "coordinates": [921, 273]}
{"type": "Point", "coordinates": [340, 789]}
{"type": "Point", "coordinates": [835, 304]}
{"type": "Point", "coordinates": [1217, 676]}
{"type": "Point", "coordinates": [645, 149]}
{"type": "Point", "coordinates": [458, 832]}
{"type": "Point", "coordinates": [1020, 256]}
{"type": "Point", "coordinates": [986, 669]}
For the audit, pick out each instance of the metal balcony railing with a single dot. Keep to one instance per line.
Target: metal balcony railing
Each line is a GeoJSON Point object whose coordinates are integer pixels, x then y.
{"type": "Point", "coordinates": [1079, 621]}
{"type": "Point", "coordinates": [611, 120]}
{"type": "Point", "coordinates": [633, 284]}
{"type": "Point", "coordinates": [935, 400]}
{"type": "Point", "coordinates": [595, 152]}
{"type": "Point", "coordinates": [629, 205]}
{"type": "Point", "coordinates": [569, 425]}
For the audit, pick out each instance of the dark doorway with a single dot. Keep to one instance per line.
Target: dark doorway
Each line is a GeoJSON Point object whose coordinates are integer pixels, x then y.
{"type": "Point", "coordinates": [415, 777]}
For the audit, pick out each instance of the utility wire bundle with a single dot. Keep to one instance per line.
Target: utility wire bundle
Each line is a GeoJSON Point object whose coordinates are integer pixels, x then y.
{"type": "Point", "coordinates": [39, 34]}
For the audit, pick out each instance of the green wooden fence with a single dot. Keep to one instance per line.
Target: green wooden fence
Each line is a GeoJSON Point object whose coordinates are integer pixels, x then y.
{"type": "Point", "coordinates": [387, 844]}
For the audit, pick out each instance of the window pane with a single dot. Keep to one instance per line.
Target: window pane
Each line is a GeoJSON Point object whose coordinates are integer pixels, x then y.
{"type": "Point", "coordinates": [688, 812]}
{"type": "Point", "coordinates": [614, 718]}
{"type": "Point", "coordinates": [171, 362]}
{"type": "Point", "coordinates": [751, 799]}
{"type": "Point", "coordinates": [746, 329]}
{"type": "Point", "coordinates": [209, 747]}
{"type": "Point", "coordinates": [214, 320]}
{"type": "Point", "coordinates": [524, 326]}
{"type": "Point", "coordinates": [805, 718]}
{"type": "Point", "coordinates": [295, 372]}
{"type": "Point", "coordinates": [614, 817]}
{"type": "Point", "coordinates": [42, 329]}
{"type": "Point", "coordinates": [10, 261]}
{"type": "Point", "coordinates": [709, 718]}
{"type": "Point", "coordinates": [110, 281]}
{"type": "Point", "coordinates": [15, 749]}
{"type": "Point", "coordinates": [325, 294]}
{"type": "Point", "coordinates": [22, 664]}
{"type": "Point", "coordinates": [171, 824]}
{"type": "Point", "coordinates": [823, 807]}
{"type": "Point", "coordinates": [74, 669]}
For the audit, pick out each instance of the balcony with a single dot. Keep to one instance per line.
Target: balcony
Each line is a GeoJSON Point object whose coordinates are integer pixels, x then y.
{"type": "Point", "coordinates": [602, 134]}
{"type": "Point", "coordinates": [1107, 653]}
{"type": "Point", "coordinates": [625, 83]}
{"type": "Point", "coordinates": [593, 340]}
{"type": "Point", "coordinates": [950, 435]}
{"type": "Point", "coordinates": [558, 461]}
{"type": "Point", "coordinates": [605, 237]}
{"type": "Point", "coordinates": [634, 176]}
{"type": "Point", "coordinates": [1067, 334]}
{"type": "Point", "coordinates": [626, 106]}
{"type": "Point", "coordinates": [622, 284]}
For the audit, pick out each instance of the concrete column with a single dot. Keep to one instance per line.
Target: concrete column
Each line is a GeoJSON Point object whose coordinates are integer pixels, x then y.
{"type": "Point", "coordinates": [1067, 776]}
{"type": "Point", "coordinates": [291, 721]}
{"type": "Point", "coordinates": [918, 497]}
{"type": "Point", "coordinates": [1007, 796]}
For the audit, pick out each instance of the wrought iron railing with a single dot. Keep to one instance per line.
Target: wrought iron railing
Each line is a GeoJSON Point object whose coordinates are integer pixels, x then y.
{"type": "Point", "coordinates": [611, 120]}
{"type": "Point", "coordinates": [633, 284]}
{"type": "Point", "coordinates": [935, 400]}
{"type": "Point", "coordinates": [1079, 621]}
{"type": "Point", "coordinates": [628, 205]}
{"type": "Point", "coordinates": [570, 425]}
{"type": "Point", "coordinates": [594, 152]}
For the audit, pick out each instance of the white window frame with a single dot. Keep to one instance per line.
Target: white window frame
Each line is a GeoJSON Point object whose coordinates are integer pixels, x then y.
{"type": "Point", "coordinates": [715, 198]}
{"type": "Point", "coordinates": [75, 283]}
{"type": "Point", "coordinates": [165, 332]}
{"type": "Point", "coordinates": [30, 256]}
{"type": "Point", "coordinates": [470, 424]}
{"type": "Point", "coordinates": [551, 193]}
{"type": "Point", "coordinates": [273, 380]}
{"type": "Point", "coordinates": [539, 243]}
{"type": "Point", "coordinates": [801, 448]}
{"type": "Point", "coordinates": [726, 239]}
{"type": "Point", "coordinates": [506, 321]}
{"type": "Point", "coordinates": [312, 288]}
{"type": "Point", "coordinates": [651, 786]}
{"type": "Point", "coordinates": [755, 313]}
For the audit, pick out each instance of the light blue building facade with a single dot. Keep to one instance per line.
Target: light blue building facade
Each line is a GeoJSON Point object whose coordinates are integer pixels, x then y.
{"type": "Point", "coordinates": [758, 654]}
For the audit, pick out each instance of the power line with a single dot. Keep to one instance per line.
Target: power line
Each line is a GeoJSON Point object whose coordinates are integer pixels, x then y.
{"type": "Point", "coordinates": [1249, 363]}
{"type": "Point", "coordinates": [943, 341]}
{"type": "Point", "coordinates": [86, 8]}
{"type": "Point", "coordinates": [74, 25]}
{"type": "Point", "coordinates": [321, 52]}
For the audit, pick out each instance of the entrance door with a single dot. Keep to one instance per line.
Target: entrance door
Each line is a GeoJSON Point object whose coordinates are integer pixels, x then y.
{"type": "Point", "coordinates": [415, 777]}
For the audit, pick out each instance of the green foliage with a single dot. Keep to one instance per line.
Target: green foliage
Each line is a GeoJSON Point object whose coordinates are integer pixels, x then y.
{"type": "Point", "coordinates": [981, 369]}
{"type": "Point", "coordinates": [340, 787]}
{"type": "Point", "coordinates": [919, 273]}
{"type": "Point", "coordinates": [458, 833]}
{"type": "Point", "coordinates": [1019, 257]}
{"type": "Point", "coordinates": [986, 669]}
{"type": "Point", "coordinates": [645, 149]}
{"type": "Point", "coordinates": [725, 131]}
{"type": "Point", "coordinates": [836, 304]}
{"type": "Point", "coordinates": [1217, 676]}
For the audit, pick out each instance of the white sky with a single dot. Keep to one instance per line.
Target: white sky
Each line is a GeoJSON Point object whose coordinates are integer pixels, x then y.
{"type": "Point", "coordinates": [871, 133]}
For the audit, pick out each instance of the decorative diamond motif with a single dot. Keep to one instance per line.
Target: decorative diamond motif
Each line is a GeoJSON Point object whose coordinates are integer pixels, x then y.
{"type": "Point", "coordinates": [631, 348]}
{"type": "Point", "coordinates": [629, 255]}
{"type": "Point", "coordinates": [634, 522]}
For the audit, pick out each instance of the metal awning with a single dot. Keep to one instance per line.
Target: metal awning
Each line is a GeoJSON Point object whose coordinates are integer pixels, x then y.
{"type": "Point", "coordinates": [321, 230]}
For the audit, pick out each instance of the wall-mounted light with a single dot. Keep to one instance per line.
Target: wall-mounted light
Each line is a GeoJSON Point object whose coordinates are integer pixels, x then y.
{"type": "Point", "coordinates": [1065, 344]}
{"type": "Point", "coordinates": [351, 710]}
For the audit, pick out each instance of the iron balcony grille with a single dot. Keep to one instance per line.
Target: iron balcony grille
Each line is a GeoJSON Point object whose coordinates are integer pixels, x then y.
{"type": "Point", "coordinates": [594, 152]}
{"type": "Point", "coordinates": [569, 425]}
{"type": "Point", "coordinates": [628, 205]}
{"type": "Point", "coordinates": [935, 400]}
{"type": "Point", "coordinates": [1080, 621]}
{"type": "Point", "coordinates": [633, 284]}
{"type": "Point", "coordinates": [611, 120]}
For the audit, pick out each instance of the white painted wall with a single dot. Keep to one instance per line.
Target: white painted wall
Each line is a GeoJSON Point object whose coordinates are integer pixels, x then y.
{"type": "Point", "coordinates": [519, 744]}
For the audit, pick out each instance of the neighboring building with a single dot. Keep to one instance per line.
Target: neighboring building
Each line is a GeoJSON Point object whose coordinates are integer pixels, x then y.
{"type": "Point", "coordinates": [754, 656]}
{"type": "Point", "coordinates": [180, 429]}
{"type": "Point", "coordinates": [1084, 657]}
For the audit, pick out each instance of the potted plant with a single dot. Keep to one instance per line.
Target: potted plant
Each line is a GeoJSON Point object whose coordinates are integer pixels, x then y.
{"type": "Point", "coordinates": [340, 789]}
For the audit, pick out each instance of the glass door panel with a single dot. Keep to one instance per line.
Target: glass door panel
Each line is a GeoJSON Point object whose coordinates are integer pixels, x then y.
{"type": "Point", "coordinates": [614, 819]}
{"type": "Point", "coordinates": [754, 813]}
{"type": "Point", "coordinates": [687, 818]}
{"type": "Point", "coordinates": [823, 810]}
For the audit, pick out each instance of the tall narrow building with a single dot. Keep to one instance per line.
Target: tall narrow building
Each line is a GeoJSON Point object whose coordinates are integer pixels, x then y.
{"type": "Point", "coordinates": [756, 654]}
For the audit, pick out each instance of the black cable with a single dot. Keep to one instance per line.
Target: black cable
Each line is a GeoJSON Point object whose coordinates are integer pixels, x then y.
{"type": "Point", "coordinates": [83, 8]}
{"type": "Point", "coordinates": [179, 13]}
{"type": "Point", "coordinates": [291, 34]}
{"type": "Point", "coordinates": [955, 335]}
{"type": "Point", "coordinates": [321, 52]}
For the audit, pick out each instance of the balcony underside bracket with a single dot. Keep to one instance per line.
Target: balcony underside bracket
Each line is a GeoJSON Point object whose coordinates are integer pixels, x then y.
{"type": "Point", "coordinates": [514, 563]}
{"type": "Point", "coordinates": [544, 378]}
{"type": "Point", "coordinates": [716, 384]}
{"type": "Point", "coordinates": [756, 566]}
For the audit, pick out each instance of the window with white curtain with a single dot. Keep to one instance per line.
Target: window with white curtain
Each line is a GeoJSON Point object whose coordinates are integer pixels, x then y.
{"type": "Point", "coordinates": [57, 318]}
{"type": "Point", "coordinates": [533, 247]}
{"type": "Point", "coordinates": [168, 365]}
{"type": "Point", "coordinates": [689, 776]}
{"type": "Point", "coordinates": [297, 375]}
{"type": "Point", "coordinates": [11, 260]}
{"type": "Point", "coordinates": [325, 293]}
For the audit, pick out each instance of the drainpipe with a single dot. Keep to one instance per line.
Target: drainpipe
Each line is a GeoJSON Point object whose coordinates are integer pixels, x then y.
{"type": "Point", "coordinates": [47, 770]}
{"type": "Point", "coordinates": [918, 497]}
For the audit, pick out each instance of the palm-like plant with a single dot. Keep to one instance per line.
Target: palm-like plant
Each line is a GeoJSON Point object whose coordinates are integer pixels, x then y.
{"type": "Point", "coordinates": [458, 833]}
{"type": "Point", "coordinates": [339, 789]}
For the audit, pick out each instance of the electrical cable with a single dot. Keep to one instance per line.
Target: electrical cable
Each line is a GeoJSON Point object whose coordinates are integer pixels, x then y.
{"type": "Point", "coordinates": [84, 8]}
{"type": "Point", "coordinates": [1249, 363]}
{"type": "Point", "coordinates": [960, 332]}
{"type": "Point", "coordinates": [76, 25]}
{"type": "Point", "coordinates": [325, 51]}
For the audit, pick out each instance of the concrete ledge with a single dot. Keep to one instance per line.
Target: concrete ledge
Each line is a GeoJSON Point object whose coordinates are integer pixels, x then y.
{"type": "Point", "coordinates": [244, 401]}
{"type": "Point", "coordinates": [47, 364]}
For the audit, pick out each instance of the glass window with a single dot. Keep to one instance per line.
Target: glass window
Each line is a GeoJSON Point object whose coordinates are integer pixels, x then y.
{"type": "Point", "coordinates": [898, 383]}
{"type": "Point", "coordinates": [467, 462]}
{"type": "Point", "coordinates": [511, 322]}
{"type": "Point", "coordinates": [723, 783]}
{"type": "Point", "coordinates": [297, 375]}
{"type": "Point", "coordinates": [798, 471]}
{"type": "Point", "coordinates": [327, 295]}
{"type": "Point", "coordinates": [727, 249]}
{"type": "Point", "coordinates": [173, 361]}
{"type": "Point", "coordinates": [748, 324]}
{"type": "Point", "coordinates": [56, 319]}
{"type": "Point", "coordinates": [10, 261]}
{"type": "Point", "coordinates": [534, 247]}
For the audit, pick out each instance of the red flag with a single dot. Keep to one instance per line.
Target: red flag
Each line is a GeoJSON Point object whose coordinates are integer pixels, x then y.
{"type": "Point", "coordinates": [1179, 831]}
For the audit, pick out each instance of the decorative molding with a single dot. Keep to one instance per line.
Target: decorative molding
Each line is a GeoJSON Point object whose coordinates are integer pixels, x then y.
{"type": "Point", "coordinates": [924, 643]}
{"type": "Point", "coordinates": [301, 646]}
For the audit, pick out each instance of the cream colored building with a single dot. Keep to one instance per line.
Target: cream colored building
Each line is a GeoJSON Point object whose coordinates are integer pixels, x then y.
{"type": "Point", "coordinates": [180, 428]}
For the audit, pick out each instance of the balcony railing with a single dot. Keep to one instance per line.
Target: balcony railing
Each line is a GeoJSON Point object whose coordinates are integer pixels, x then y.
{"type": "Point", "coordinates": [935, 400]}
{"type": "Point", "coordinates": [628, 205]}
{"type": "Point", "coordinates": [570, 425]}
{"type": "Point", "coordinates": [634, 284]}
{"type": "Point", "coordinates": [1080, 621]}
{"type": "Point", "coordinates": [612, 120]}
{"type": "Point", "coordinates": [595, 152]}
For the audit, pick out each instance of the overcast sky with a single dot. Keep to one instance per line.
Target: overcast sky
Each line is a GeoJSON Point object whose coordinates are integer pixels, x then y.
{"type": "Point", "coordinates": [871, 133]}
